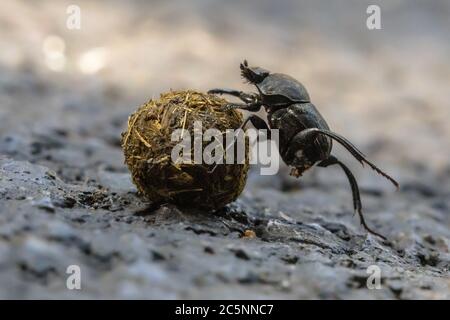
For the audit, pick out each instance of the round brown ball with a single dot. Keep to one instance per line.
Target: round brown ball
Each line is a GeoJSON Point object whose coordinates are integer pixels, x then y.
{"type": "Point", "coordinates": [147, 148]}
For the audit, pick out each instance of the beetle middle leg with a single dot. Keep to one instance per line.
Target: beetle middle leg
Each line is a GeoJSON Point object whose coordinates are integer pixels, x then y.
{"type": "Point", "coordinates": [332, 160]}
{"type": "Point", "coordinates": [258, 123]}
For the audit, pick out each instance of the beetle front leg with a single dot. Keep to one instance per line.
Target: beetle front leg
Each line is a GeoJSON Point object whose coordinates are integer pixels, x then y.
{"type": "Point", "coordinates": [332, 160]}
{"type": "Point", "coordinates": [258, 123]}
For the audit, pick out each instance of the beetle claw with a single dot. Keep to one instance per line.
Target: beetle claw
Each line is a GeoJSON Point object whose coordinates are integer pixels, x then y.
{"type": "Point", "coordinates": [365, 226]}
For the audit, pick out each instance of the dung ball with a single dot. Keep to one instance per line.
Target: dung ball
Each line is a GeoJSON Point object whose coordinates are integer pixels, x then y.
{"type": "Point", "coordinates": [148, 143]}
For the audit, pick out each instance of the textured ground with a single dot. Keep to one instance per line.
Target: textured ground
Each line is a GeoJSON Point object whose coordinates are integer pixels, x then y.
{"type": "Point", "coordinates": [66, 197]}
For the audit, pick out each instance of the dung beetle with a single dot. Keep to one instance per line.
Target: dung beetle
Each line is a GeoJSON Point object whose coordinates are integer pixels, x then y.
{"type": "Point", "coordinates": [304, 136]}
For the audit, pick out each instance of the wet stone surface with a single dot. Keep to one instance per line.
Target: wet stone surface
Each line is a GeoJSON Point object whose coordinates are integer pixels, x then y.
{"type": "Point", "coordinates": [279, 240]}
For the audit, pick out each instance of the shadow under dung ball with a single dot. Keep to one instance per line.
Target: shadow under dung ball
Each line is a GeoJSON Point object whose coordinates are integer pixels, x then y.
{"type": "Point", "coordinates": [148, 147]}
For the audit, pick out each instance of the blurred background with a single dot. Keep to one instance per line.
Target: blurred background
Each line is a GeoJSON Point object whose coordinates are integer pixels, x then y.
{"type": "Point", "coordinates": [65, 94]}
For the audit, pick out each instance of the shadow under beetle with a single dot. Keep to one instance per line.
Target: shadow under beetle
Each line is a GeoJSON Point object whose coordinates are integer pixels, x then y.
{"type": "Point", "coordinates": [305, 138]}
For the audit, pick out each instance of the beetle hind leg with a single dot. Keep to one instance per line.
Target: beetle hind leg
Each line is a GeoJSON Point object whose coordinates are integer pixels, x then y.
{"type": "Point", "coordinates": [312, 133]}
{"type": "Point", "coordinates": [245, 97]}
{"type": "Point", "coordinates": [251, 100]}
{"type": "Point", "coordinates": [357, 205]}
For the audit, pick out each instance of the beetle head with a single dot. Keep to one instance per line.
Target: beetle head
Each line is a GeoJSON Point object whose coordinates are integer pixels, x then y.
{"type": "Point", "coordinates": [302, 162]}
{"type": "Point", "coordinates": [253, 74]}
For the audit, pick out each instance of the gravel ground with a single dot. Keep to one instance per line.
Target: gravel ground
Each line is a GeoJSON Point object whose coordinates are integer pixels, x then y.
{"type": "Point", "coordinates": [66, 197]}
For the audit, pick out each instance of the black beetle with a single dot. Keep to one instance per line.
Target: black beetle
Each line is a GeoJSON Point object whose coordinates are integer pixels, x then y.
{"type": "Point", "coordinates": [305, 138]}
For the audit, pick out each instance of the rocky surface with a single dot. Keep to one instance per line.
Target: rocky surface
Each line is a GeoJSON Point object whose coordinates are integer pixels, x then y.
{"type": "Point", "coordinates": [66, 196]}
